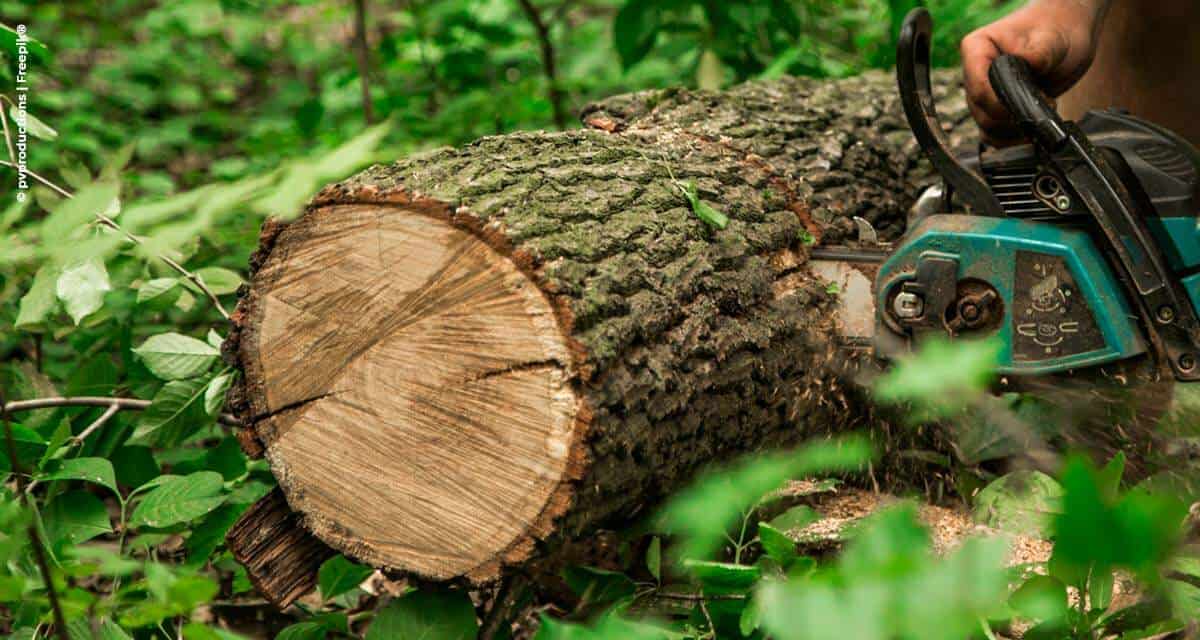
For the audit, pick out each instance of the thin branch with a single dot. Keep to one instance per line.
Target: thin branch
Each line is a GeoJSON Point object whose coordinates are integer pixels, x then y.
{"type": "Point", "coordinates": [112, 224]}
{"type": "Point", "coordinates": [510, 590]}
{"type": "Point", "coordinates": [549, 65]}
{"type": "Point", "coordinates": [364, 61]}
{"type": "Point", "coordinates": [127, 404]}
{"type": "Point", "coordinates": [97, 423]}
{"type": "Point", "coordinates": [35, 541]}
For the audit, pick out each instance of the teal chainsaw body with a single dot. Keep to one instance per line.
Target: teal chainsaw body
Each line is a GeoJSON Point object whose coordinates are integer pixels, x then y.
{"type": "Point", "coordinates": [1075, 249]}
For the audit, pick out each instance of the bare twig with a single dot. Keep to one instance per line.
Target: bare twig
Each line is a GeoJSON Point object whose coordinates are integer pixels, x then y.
{"type": "Point", "coordinates": [97, 423]}
{"type": "Point", "coordinates": [12, 153]}
{"type": "Point", "coordinates": [549, 65]}
{"type": "Point", "coordinates": [509, 592]}
{"type": "Point", "coordinates": [112, 224]}
{"type": "Point", "coordinates": [127, 404]}
{"type": "Point", "coordinates": [364, 60]}
{"type": "Point", "coordinates": [35, 541]}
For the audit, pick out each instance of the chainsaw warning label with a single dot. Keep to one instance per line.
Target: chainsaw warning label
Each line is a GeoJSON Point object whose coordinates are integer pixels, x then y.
{"type": "Point", "coordinates": [1050, 317]}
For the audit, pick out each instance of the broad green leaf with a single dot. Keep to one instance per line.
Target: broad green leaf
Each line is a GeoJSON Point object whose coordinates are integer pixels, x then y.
{"type": "Point", "coordinates": [197, 631]}
{"type": "Point", "coordinates": [797, 517]}
{"type": "Point", "coordinates": [1021, 502]}
{"type": "Point", "coordinates": [134, 465]}
{"type": "Point", "coordinates": [598, 586]}
{"type": "Point", "coordinates": [214, 338]}
{"type": "Point", "coordinates": [710, 73]}
{"type": "Point", "coordinates": [71, 214]}
{"type": "Point", "coordinates": [86, 628]}
{"type": "Point", "coordinates": [1040, 598]}
{"type": "Point", "coordinates": [702, 513]}
{"type": "Point", "coordinates": [75, 517]}
{"type": "Point", "coordinates": [778, 546]}
{"type": "Point", "coordinates": [426, 615]}
{"type": "Point", "coordinates": [40, 300]}
{"type": "Point", "coordinates": [173, 356]}
{"type": "Point", "coordinates": [220, 281]}
{"type": "Point", "coordinates": [210, 532]}
{"type": "Point", "coordinates": [175, 413]}
{"type": "Point", "coordinates": [654, 558]}
{"type": "Point", "coordinates": [180, 499]}
{"type": "Point", "coordinates": [33, 126]}
{"type": "Point", "coordinates": [339, 575]}
{"type": "Point", "coordinates": [95, 470]}
{"type": "Point", "coordinates": [30, 445]}
{"type": "Point", "coordinates": [214, 393]}
{"type": "Point", "coordinates": [226, 459]}
{"type": "Point", "coordinates": [54, 446]}
{"type": "Point", "coordinates": [9, 38]}
{"type": "Point", "coordinates": [723, 577]}
{"type": "Point", "coordinates": [81, 288]}
{"type": "Point", "coordinates": [159, 294]}
{"type": "Point", "coordinates": [942, 375]}
{"type": "Point", "coordinates": [303, 631]}
{"type": "Point", "coordinates": [1100, 588]}
{"type": "Point", "coordinates": [635, 28]}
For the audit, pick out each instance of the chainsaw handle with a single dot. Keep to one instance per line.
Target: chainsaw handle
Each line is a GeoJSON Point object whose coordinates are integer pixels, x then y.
{"type": "Point", "coordinates": [1013, 82]}
{"type": "Point", "coordinates": [916, 95]}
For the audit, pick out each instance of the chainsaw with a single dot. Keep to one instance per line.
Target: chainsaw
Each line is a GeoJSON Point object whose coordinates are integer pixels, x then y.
{"type": "Point", "coordinates": [1075, 249]}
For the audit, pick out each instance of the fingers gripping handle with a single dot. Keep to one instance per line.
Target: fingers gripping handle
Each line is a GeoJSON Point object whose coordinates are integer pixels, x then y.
{"type": "Point", "coordinates": [1013, 82]}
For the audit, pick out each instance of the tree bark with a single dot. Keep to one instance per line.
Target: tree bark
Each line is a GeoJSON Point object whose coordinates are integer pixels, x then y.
{"type": "Point", "coordinates": [459, 361]}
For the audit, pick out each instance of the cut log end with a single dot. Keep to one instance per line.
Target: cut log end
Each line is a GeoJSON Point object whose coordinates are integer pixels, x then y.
{"type": "Point", "coordinates": [411, 389]}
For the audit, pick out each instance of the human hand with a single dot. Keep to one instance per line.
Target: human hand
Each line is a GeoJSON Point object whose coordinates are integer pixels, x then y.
{"type": "Point", "coordinates": [1056, 37]}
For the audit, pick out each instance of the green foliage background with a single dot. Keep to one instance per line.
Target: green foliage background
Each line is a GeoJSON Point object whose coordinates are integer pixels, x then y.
{"type": "Point", "coordinates": [177, 127]}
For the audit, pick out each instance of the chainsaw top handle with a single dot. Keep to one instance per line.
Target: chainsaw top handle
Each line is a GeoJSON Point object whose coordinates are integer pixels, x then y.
{"type": "Point", "coordinates": [916, 94]}
{"type": "Point", "coordinates": [1013, 83]}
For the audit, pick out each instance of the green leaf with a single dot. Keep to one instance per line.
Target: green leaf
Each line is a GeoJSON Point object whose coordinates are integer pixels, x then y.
{"type": "Point", "coordinates": [226, 459]}
{"type": "Point", "coordinates": [75, 517]}
{"type": "Point", "coordinates": [797, 517]}
{"type": "Point", "coordinates": [180, 499]}
{"type": "Point", "coordinates": [303, 631]}
{"type": "Point", "coordinates": [942, 375]}
{"type": "Point", "coordinates": [210, 532]}
{"type": "Point", "coordinates": [1021, 502]}
{"type": "Point", "coordinates": [175, 413]}
{"type": "Point", "coordinates": [81, 288]}
{"type": "Point", "coordinates": [33, 126]}
{"type": "Point", "coordinates": [214, 338]}
{"type": "Point", "coordinates": [173, 356]}
{"type": "Point", "coordinates": [104, 629]}
{"type": "Point", "coordinates": [40, 300]}
{"type": "Point", "coordinates": [30, 446]}
{"type": "Point", "coordinates": [723, 577]}
{"type": "Point", "coordinates": [1041, 598]}
{"type": "Point", "coordinates": [702, 513]}
{"type": "Point", "coordinates": [634, 30]}
{"type": "Point", "coordinates": [1100, 588]}
{"type": "Point", "coordinates": [218, 280]}
{"type": "Point", "coordinates": [95, 470]}
{"type": "Point", "coordinates": [214, 393]}
{"type": "Point", "coordinates": [706, 213]}
{"type": "Point", "coordinates": [135, 465]}
{"type": "Point", "coordinates": [778, 546]}
{"type": "Point", "coordinates": [339, 575]}
{"type": "Point", "coordinates": [9, 42]}
{"type": "Point", "coordinates": [654, 558]}
{"type": "Point", "coordinates": [72, 213]}
{"type": "Point", "coordinates": [426, 615]}
{"type": "Point", "coordinates": [159, 294]}
{"type": "Point", "coordinates": [598, 586]}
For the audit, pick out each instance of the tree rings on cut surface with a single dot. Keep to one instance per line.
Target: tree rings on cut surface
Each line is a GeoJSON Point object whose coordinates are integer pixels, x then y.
{"type": "Point", "coordinates": [410, 387]}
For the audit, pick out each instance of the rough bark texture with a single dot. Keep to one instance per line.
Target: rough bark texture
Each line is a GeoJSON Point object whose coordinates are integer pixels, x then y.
{"type": "Point", "coordinates": [685, 344]}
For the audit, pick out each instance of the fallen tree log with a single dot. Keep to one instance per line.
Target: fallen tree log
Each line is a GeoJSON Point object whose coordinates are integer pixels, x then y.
{"type": "Point", "coordinates": [460, 360]}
